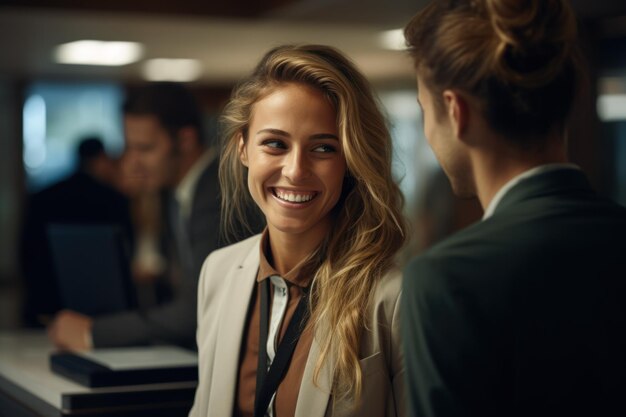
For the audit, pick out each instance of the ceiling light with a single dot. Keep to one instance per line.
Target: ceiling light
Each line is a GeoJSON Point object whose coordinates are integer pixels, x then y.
{"type": "Point", "coordinates": [180, 70]}
{"type": "Point", "coordinates": [392, 39]}
{"type": "Point", "coordinates": [90, 52]}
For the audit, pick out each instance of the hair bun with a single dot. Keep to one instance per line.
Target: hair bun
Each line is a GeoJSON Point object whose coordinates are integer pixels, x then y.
{"type": "Point", "coordinates": [533, 38]}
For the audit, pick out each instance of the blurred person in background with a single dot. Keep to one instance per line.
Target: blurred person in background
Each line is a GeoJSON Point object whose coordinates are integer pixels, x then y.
{"type": "Point", "coordinates": [523, 313]}
{"type": "Point", "coordinates": [149, 261]}
{"type": "Point", "coordinates": [87, 196]}
{"type": "Point", "coordinates": [165, 147]}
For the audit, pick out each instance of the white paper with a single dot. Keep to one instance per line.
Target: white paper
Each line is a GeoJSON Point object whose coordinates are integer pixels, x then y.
{"type": "Point", "coordinates": [142, 357]}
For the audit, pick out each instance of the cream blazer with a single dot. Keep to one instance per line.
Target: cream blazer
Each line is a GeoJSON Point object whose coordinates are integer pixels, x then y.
{"type": "Point", "coordinates": [226, 283]}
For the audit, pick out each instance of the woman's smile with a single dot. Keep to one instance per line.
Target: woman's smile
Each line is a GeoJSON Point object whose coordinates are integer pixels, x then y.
{"type": "Point", "coordinates": [293, 198]}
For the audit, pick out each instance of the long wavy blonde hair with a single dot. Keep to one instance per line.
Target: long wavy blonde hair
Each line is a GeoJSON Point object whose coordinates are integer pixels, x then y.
{"type": "Point", "coordinates": [368, 229]}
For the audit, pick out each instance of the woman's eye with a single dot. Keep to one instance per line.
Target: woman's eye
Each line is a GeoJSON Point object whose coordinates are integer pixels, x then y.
{"type": "Point", "coordinates": [324, 148]}
{"type": "Point", "coordinates": [274, 144]}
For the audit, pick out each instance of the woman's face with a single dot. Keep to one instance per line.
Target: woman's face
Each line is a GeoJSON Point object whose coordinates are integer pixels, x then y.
{"type": "Point", "coordinates": [295, 161]}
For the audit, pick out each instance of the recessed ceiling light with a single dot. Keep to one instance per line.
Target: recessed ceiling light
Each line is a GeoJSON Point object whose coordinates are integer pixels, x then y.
{"type": "Point", "coordinates": [392, 39]}
{"type": "Point", "coordinates": [165, 69]}
{"type": "Point", "coordinates": [91, 52]}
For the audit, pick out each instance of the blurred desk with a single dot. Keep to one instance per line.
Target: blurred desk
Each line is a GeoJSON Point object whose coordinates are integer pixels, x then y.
{"type": "Point", "coordinates": [28, 388]}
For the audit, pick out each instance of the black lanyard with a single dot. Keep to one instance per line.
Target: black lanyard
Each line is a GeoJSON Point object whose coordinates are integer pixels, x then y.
{"type": "Point", "coordinates": [267, 381]}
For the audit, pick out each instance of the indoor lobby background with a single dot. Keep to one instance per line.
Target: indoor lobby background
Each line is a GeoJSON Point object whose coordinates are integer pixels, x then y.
{"type": "Point", "coordinates": [47, 105]}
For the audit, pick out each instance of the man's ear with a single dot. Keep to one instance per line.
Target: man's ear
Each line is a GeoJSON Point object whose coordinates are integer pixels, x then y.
{"type": "Point", "coordinates": [243, 153]}
{"type": "Point", "coordinates": [457, 111]}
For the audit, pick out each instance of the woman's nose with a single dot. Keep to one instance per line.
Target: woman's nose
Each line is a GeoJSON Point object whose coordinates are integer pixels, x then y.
{"type": "Point", "coordinates": [296, 166]}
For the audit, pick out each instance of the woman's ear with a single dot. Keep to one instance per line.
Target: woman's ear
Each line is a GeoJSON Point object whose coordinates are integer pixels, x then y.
{"type": "Point", "coordinates": [458, 112]}
{"type": "Point", "coordinates": [243, 152]}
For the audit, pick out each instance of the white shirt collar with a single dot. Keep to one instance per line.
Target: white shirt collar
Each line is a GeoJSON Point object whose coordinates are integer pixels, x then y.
{"type": "Point", "coordinates": [541, 169]}
{"type": "Point", "coordinates": [185, 190]}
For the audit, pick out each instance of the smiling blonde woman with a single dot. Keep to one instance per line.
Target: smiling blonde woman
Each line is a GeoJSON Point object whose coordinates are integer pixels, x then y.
{"type": "Point", "coordinates": [303, 319]}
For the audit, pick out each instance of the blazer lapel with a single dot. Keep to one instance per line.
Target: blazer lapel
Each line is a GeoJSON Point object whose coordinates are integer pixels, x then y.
{"type": "Point", "coordinates": [241, 280]}
{"type": "Point", "coordinates": [313, 399]}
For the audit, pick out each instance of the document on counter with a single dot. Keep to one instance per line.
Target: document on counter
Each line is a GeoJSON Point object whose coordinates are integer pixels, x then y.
{"type": "Point", "coordinates": [142, 357]}
{"type": "Point", "coordinates": [127, 366]}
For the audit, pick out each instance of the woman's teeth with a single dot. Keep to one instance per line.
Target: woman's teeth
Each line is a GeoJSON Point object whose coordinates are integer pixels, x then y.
{"type": "Point", "coordinates": [294, 197]}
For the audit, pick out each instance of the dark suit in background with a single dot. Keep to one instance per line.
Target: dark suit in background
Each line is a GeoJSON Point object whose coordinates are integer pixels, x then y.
{"type": "Point", "coordinates": [523, 314]}
{"type": "Point", "coordinates": [79, 199]}
{"type": "Point", "coordinates": [174, 321]}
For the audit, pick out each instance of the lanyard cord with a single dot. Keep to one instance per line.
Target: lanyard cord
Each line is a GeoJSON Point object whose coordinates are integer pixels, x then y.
{"type": "Point", "coordinates": [267, 381]}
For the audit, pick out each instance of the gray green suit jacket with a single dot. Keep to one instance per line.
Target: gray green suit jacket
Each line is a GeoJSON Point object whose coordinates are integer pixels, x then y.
{"type": "Point", "coordinates": [522, 314]}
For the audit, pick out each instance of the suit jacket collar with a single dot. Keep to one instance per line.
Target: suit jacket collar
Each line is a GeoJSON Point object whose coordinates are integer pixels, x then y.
{"type": "Point", "coordinates": [205, 186]}
{"type": "Point", "coordinates": [206, 189]}
{"type": "Point", "coordinates": [185, 191]}
{"type": "Point", "coordinates": [241, 281]}
{"type": "Point", "coordinates": [553, 183]}
{"type": "Point", "coordinates": [312, 400]}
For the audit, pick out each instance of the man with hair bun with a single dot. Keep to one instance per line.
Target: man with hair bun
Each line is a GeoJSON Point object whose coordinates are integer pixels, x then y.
{"type": "Point", "coordinates": [523, 313]}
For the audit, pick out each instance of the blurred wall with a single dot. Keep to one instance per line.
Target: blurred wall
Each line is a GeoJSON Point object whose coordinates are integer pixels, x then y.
{"type": "Point", "coordinates": [10, 199]}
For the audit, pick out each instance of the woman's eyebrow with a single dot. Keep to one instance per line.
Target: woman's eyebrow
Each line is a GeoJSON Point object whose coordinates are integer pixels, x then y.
{"type": "Point", "coordinates": [316, 136]}
{"type": "Point", "coordinates": [274, 132]}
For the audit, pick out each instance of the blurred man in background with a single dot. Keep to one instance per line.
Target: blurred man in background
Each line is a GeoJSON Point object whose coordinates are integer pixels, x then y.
{"type": "Point", "coordinates": [165, 147]}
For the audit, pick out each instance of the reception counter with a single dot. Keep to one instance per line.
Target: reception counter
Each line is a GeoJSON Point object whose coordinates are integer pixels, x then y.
{"type": "Point", "coordinates": [29, 388]}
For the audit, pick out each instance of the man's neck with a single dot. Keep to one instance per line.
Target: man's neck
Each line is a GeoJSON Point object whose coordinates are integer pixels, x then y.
{"type": "Point", "coordinates": [493, 170]}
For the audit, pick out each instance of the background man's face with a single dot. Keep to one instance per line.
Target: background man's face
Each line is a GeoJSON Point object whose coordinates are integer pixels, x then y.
{"type": "Point", "coordinates": [150, 151]}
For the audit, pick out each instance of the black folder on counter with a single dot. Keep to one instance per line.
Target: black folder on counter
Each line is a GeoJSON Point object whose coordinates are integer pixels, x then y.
{"type": "Point", "coordinates": [127, 366]}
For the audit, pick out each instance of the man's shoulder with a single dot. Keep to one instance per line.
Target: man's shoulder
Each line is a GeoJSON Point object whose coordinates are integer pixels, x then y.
{"type": "Point", "coordinates": [476, 251]}
{"type": "Point", "coordinates": [426, 271]}
{"type": "Point", "coordinates": [503, 245]}
{"type": "Point", "coordinates": [206, 190]}
{"type": "Point", "coordinates": [209, 177]}
{"type": "Point", "coordinates": [463, 243]}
